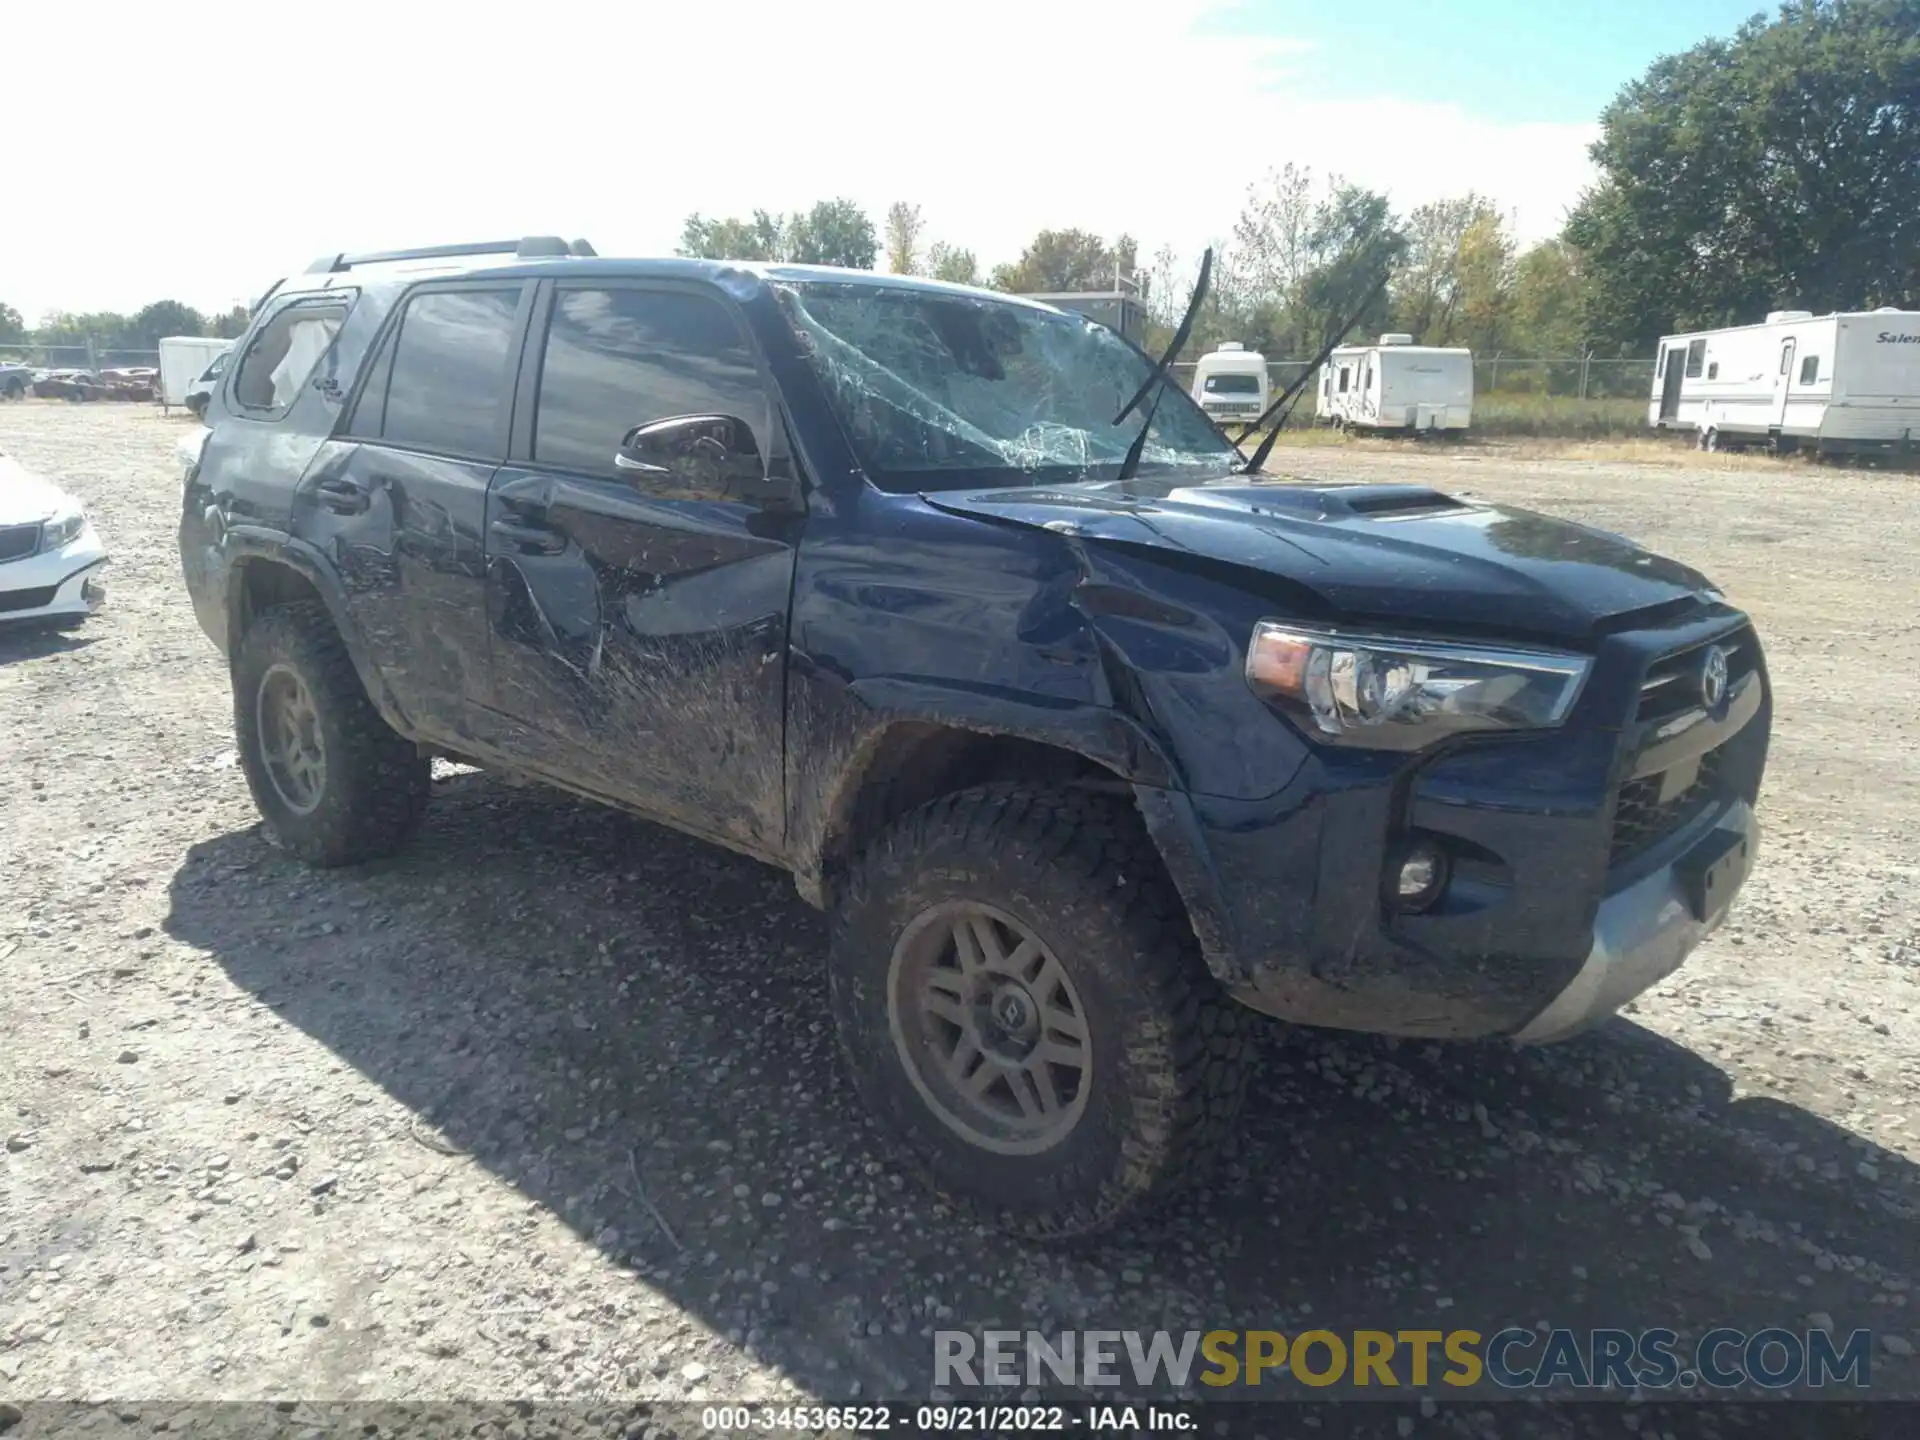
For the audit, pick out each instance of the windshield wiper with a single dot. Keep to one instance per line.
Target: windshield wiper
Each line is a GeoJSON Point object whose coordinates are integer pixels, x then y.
{"type": "Point", "coordinates": [1157, 381]}
{"type": "Point", "coordinates": [1283, 407]}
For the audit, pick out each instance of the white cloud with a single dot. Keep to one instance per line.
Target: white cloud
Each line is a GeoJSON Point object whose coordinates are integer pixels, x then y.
{"type": "Point", "coordinates": [384, 124]}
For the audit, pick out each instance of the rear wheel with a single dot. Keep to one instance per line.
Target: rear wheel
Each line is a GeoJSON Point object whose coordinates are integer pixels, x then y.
{"type": "Point", "coordinates": [1026, 1012]}
{"type": "Point", "coordinates": [332, 780]}
{"type": "Point", "coordinates": [1710, 439]}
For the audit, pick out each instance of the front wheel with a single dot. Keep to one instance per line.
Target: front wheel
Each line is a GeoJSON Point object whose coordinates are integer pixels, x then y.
{"type": "Point", "coordinates": [1027, 1014]}
{"type": "Point", "coordinates": [332, 780]}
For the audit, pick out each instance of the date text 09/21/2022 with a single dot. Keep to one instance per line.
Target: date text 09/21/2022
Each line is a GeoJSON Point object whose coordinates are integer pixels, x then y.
{"type": "Point", "coordinates": [958, 1419]}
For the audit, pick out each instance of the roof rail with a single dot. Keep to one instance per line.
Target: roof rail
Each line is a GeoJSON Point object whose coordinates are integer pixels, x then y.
{"type": "Point", "coordinates": [528, 247]}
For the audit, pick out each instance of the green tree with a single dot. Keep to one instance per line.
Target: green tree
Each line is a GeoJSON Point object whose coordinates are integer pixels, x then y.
{"type": "Point", "coordinates": [13, 329]}
{"type": "Point", "coordinates": [1428, 288]}
{"type": "Point", "coordinates": [760, 238]}
{"type": "Point", "coordinates": [164, 317]}
{"type": "Point", "coordinates": [950, 263]}
{"type": "Point", "coordinates": [1064, 261]}
{"type": "Point", "coordinates": [1548, 311]}
{"type": "Point", "coordinates": [833, 232]}
{"type": "Point", "coordinates": [230, 324]}
{"type": "Point", "coordinates": [1781, 167]}
{"type": "Point", "coordinates": [1484, 283]}
{"type": "Point", "coordinates": [1354, 242]}
{"type": "Point", "coordinates": [903, 238]}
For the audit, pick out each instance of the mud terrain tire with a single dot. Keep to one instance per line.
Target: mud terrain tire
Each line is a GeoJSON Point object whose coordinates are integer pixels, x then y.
{"type": "Point", "coordinates": [1077, 875]}
{"type": "Point", "coordinates": [373, 784]}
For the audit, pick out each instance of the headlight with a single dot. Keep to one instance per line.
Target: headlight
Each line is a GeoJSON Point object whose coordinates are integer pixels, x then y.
{"type": "Point", "coordinates": [61, 529]}
{"type": "Point", "coordinates": [1383, 693]}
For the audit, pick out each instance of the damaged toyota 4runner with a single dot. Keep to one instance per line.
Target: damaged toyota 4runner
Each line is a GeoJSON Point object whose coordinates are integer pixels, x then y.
{"type": "Point", "coordinates": [1090, 739]}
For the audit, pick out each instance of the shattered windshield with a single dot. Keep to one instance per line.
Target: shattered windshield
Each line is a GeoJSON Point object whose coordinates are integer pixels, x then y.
{"type": "Point", "coordinates": [936, 388]}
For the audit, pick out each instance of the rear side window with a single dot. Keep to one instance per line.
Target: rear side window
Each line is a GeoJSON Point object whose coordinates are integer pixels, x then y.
{"type": "Point", "coordinates": [448, 383]}
{"type": "Point", "coordinates": [1696, 358]}
{"type": "Point", "coordinates": [619, 358]}
{"type": "Point", "coordinates": [1810, 370]}
{"type": "Point", "coordinates": [285, 353]}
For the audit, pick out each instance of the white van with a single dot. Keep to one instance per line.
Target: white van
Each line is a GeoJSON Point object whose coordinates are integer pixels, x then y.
{"type": "Point", "coordinates": [1231, 384]}
{"type": "Point", "coordinates": [1397, 385]}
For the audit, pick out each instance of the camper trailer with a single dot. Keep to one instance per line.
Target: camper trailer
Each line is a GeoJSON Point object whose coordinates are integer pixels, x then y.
{"type": "Point", "coordinates": [1833, 383]}
{"type": "Point", "coordinates": [1398, 386]}
{"type": "Point", "coordinates": [185, 359]}
{"type": "Point", "coordinates": [1231, 384]}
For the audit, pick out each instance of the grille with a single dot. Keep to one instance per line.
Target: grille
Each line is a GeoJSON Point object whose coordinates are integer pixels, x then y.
{"type": "Point", "coordinates": [1672, 682]}
{"type": "Point", "coordinates": [18, 541]}
{"type": "Point", "coordinates": [1641, 818]}
{"type": "Point", "coordinates": [27, 599]}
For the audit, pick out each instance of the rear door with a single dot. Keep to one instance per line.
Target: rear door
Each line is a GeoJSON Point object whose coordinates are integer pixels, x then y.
{"type": "Point", "coordinates": [1783, 381]}
{"type": "Point", "coordinates": [639, 626]}
{"type": "Point", "coordinates": [1675, 362]}
{"type": "Point", "coordinates": [402, 511]}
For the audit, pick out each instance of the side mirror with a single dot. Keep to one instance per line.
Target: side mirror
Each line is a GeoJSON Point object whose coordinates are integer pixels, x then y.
{"type": "Point", "coordinates": [701, 457]}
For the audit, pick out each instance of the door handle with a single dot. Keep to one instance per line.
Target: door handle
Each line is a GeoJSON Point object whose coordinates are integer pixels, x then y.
{"type": "Point", "coordinates": [344, 497]}
{"type": "Point", "coordinates": [529, 539]}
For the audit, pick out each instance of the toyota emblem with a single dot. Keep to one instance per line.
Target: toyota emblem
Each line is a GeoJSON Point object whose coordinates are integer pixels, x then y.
{"type": "Point", "coordinates": [1713, 677]}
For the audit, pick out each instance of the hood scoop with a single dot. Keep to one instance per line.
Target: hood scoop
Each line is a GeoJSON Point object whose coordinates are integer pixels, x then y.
{"type": "Point", "coordinates": [1326, 502]}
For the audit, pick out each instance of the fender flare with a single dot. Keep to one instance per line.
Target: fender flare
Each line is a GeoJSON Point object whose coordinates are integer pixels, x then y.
{"type": "Point", "coordinates": [1115, 742]}
{"type": "Point", "coordinates": [245, 545]}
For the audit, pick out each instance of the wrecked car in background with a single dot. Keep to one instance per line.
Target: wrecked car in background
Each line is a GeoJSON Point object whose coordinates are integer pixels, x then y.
{"type": "Point", "coordinates": [136, 382]}
{"type": "Point", "coordinates": [1091, 738]}
{"type": "Point", "coordinates": [70, 385]}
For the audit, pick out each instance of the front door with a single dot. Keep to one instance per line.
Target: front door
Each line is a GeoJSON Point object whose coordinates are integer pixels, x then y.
{"type": "Point", "coordinates": [639, 626]}
{"type": "Point", "coordinates": [401, 510]}
{"type": "Point", "coordinates": [1781, 382]}
{"type": "Point", "coordinates": [1670, 383]}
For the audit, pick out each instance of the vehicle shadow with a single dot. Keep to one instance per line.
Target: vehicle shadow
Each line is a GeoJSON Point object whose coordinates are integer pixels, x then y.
{"type": "Point", "coordinates": [34, 640]}
{"type": "Point", "coordinates": [631, 1028]}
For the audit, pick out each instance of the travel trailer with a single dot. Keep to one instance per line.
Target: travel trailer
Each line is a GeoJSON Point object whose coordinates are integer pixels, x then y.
{"type": "Point", "coordinates": [185, 359]}
{"type": "Point", "coordinates": [1398, 386]}
{"type": "Point", "coordinates": [1834, 383]}
{"type": "Point", "coordinates": [1231, 384]}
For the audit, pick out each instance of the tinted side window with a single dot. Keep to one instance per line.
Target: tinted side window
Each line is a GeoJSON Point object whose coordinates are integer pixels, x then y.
{"type": "Point", "coordinates": [1696, 358]}
{"type": "Point", "coordinates": [620, 358]}
{"type": "Point", "coordinates": [449, 380]}
{"type": "Point", "coordinates": [1810, 370]}
{"type": "Point", "coordinates": [285, 353]}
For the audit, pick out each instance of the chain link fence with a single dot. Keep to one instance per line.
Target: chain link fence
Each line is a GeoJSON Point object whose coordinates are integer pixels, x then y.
{"type": "Point", "coordinates": [1577, 396]}
{"type": "Point", "coordinates": [77, 357]}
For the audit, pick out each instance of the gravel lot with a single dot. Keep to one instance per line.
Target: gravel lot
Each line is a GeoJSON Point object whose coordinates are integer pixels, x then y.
{"type": "Point", "coordinates": [550, 1105]}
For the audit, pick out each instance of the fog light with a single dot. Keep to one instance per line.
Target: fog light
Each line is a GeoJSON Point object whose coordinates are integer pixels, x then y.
{"type": "Point", "coordinates": [1423, 874]}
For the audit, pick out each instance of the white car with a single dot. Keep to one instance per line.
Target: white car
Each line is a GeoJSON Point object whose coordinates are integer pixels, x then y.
{"type": "Point", "coordinates": [50, 558]}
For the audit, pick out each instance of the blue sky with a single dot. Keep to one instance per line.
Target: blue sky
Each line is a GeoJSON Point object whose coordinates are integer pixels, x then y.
{"type": "Point", "coordinates": [999, 118]}
{"type": "Point", "coordinates": [1507, 60]}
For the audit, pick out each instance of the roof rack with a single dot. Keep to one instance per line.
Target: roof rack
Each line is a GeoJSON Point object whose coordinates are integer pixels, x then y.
{"type": "Point", "coordinates": [528, 247]}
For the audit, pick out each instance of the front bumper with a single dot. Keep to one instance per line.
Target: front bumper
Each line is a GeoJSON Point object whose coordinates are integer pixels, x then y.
{"type": "Point", "coordinates": [1571, 854]}
{"type": "Point", "coordinates": [63, 584]}
{"type": "Point", "coordinates": [1643, 933]}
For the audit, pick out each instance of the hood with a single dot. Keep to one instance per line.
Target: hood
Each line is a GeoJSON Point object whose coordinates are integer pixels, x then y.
{"type": "Point", "coordinates": [25, 498]}
{"type": "Point", "coordinates": [1394, 553]}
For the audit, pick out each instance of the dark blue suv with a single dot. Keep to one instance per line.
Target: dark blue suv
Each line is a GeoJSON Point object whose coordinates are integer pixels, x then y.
{"type": "Point", "coordinates": [1087, 738]}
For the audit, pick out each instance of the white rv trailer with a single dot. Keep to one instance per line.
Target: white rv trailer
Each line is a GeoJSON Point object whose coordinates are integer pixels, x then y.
{"type": "Point", "coordinates": [1397, 385]}
{"type": "Point", "coordinates": [1834, 383]}
{"type": "Point", "coordinates": [183, 360]}
{"type": "Point", "coordinates": [1231, 383]}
